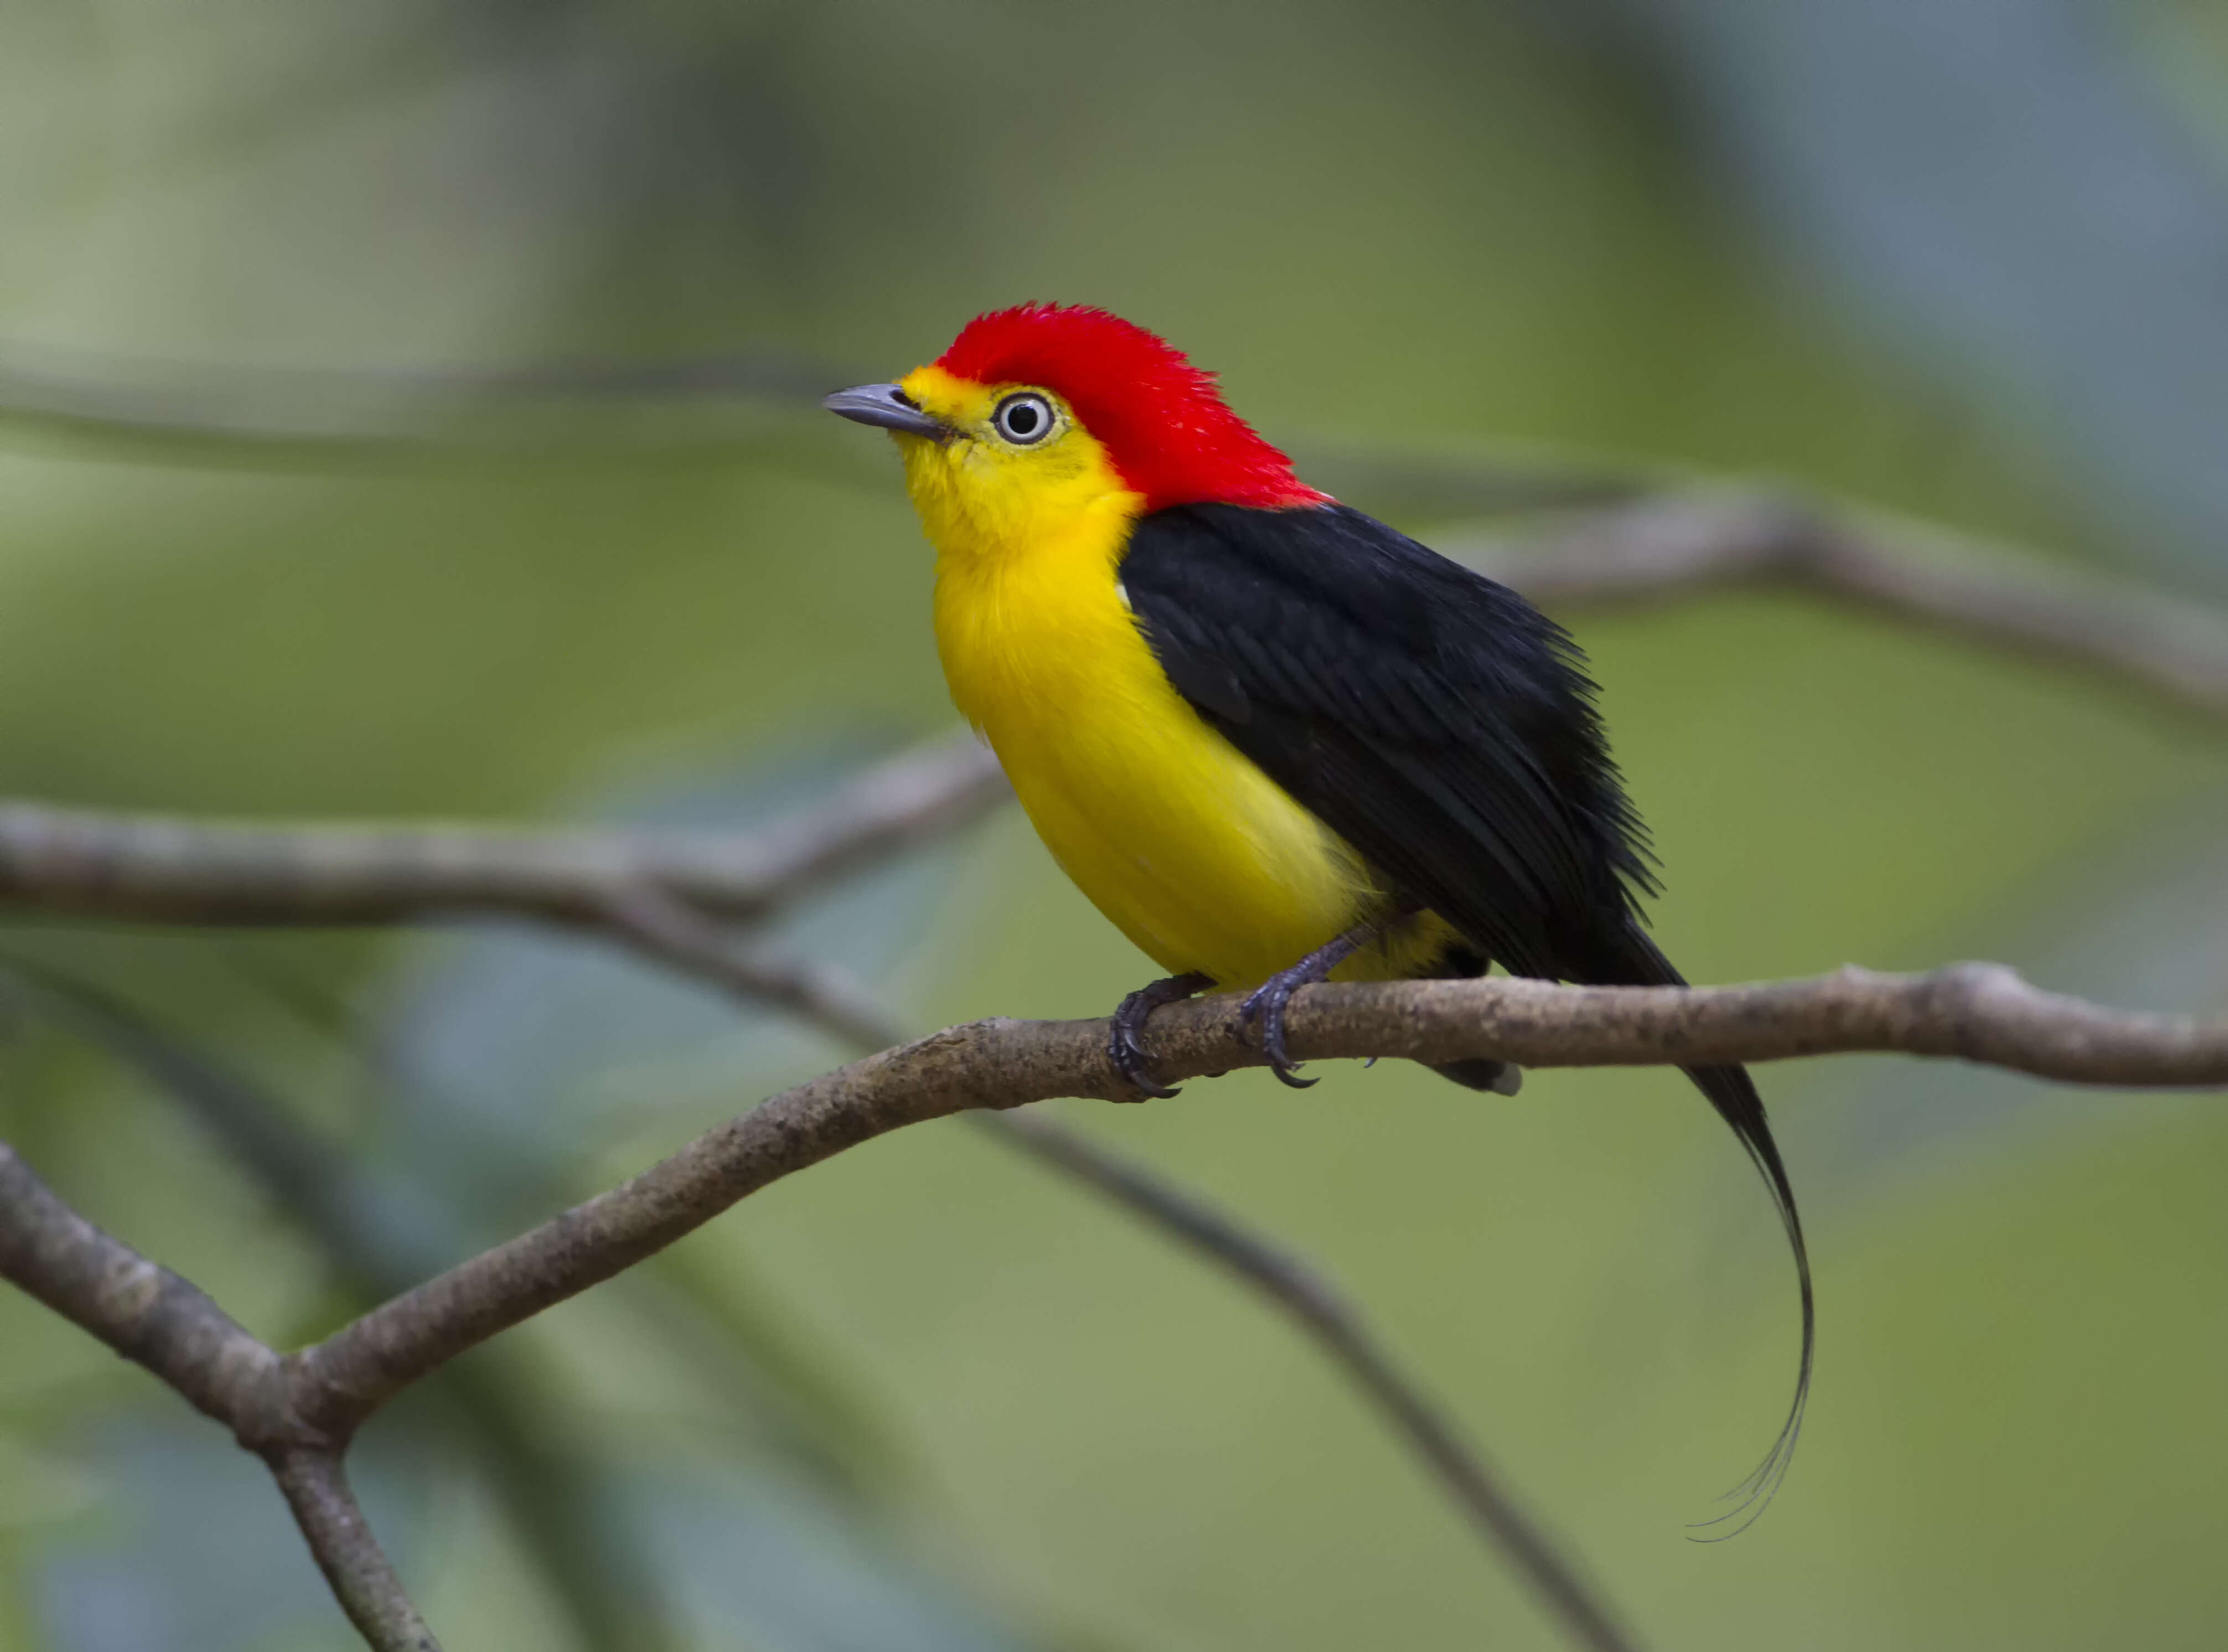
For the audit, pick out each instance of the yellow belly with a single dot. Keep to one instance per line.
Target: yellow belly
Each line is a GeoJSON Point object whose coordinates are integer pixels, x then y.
{"type": "Point", "coordinates": [1194, 854]}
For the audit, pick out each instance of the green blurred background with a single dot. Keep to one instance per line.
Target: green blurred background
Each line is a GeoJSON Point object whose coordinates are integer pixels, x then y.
{"type": "Point", "coordinates": [405, 410]}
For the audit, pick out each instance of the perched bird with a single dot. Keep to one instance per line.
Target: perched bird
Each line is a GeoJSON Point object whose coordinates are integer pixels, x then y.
{"type": "Point", "coordinates": [1273, 739]}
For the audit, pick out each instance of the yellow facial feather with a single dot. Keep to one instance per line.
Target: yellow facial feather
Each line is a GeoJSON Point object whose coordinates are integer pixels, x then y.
{"type": "Point", "coordinates": [981, 495]}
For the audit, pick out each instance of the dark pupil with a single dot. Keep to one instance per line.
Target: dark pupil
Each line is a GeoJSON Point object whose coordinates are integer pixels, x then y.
{"type": "Point", "coordinates": [1023, 420]}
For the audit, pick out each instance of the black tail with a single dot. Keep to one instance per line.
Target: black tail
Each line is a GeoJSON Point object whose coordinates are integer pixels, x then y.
{"type": "Point", "coordinates": [1634, 961]}
{"type": "Point", "coordinates": [1460, 961]}
{"type": "Point", "coordinates": [1502, 1077]}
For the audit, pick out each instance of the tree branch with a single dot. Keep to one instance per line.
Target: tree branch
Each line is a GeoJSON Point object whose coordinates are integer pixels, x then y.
{"type": "Point", "coordinates": [146, 1312]}
{"type": "Point", "coordinates": [155, 1319]}
{"type": "Point", "coordinates": [1676, 544]}
{"type": "Point", "coordinates": [1974, 1012]}
{"type": "Point", "coordinates": [317, 1488]}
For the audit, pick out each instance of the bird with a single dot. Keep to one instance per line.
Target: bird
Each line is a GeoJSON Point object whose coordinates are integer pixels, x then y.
{"type": "Point", "coordinates": [1271, 738]}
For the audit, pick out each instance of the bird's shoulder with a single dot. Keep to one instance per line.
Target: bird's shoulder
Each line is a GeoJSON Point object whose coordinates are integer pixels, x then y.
{"type": "Point", "coordinates": [1326, 609]}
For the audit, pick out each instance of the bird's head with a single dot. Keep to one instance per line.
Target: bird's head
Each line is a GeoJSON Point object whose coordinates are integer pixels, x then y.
{"type": "Point", "coordinates": [1046, 410]}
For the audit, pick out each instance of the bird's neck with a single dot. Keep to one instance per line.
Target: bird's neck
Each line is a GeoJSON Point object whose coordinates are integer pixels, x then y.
{"type": "Point", "coordinates": [1028, 600]}
{"type": "Point", "coordinates": [989, 516]}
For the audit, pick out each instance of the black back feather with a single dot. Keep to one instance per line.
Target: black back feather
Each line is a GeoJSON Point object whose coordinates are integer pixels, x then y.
{"type": "Point", "coordinates": [1446, 729]}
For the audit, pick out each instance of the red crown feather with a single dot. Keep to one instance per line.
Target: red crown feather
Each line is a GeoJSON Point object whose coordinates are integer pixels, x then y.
{"type": "Point", "coordinates": [1161, 420]}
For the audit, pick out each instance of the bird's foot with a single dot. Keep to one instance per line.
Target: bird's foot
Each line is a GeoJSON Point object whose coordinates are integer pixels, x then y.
{"type": "Point", "coordinates": [1265, 1004]}
{"type": "Point", "coordinates": [1267, 1001]}
{"type": "Point", "coordinates": [1122, 1048]}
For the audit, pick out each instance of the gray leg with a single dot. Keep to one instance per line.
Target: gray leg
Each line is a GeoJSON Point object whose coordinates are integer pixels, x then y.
{"type": "Point", "coordinates": [1267, 1003]}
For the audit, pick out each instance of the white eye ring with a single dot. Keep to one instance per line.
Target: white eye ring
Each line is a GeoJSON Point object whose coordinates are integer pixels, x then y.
{"type": "Point", "coordinates": [1024, 418]}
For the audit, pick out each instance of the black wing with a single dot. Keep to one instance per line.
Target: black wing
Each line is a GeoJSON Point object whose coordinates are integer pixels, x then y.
{"type": "Point", "coordinates": [1435, 720]}
{"type": "Point", "coordinates": [1444, 727]}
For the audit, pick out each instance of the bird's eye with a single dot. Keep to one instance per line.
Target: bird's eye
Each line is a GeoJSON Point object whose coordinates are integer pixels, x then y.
{"type": "Point", "coordinates": [1023, 419]}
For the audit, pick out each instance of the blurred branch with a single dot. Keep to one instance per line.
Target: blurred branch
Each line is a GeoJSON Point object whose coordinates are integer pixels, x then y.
{"type": "Point", "coordinates": [653, 922]}
{"type": "Point", "coordinates": [155, 1319]}
{"type": "Point", "coordinates": [1441, 482]}
{"type": "Point", "coordinates": [279, 417]}
{"type": "Point", "coordinates": [149, 869]}
{"type": "Point", "coordinates": [1677, 545]}
{"type": "Point", "coordinates": [650, 889]}
{"type": "Point", "coordinates": [159, 870]}
{"type": "Point", "coordinates": [1645, 539]}
{"type": "Point", "coordinates": [1636, 536]}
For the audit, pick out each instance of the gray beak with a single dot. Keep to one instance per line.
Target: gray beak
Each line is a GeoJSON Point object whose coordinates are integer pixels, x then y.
{"type": "Point", "coordinates": [890, 407]}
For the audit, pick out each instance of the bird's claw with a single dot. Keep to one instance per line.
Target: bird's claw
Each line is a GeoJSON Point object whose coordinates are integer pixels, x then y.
{"type": "Point", "coordinates": [1266, 1004]}
{"type": "Point", "coordinates": [1123, 1047]}
{"type": "Point", "coordinates": [1130, 1060]}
